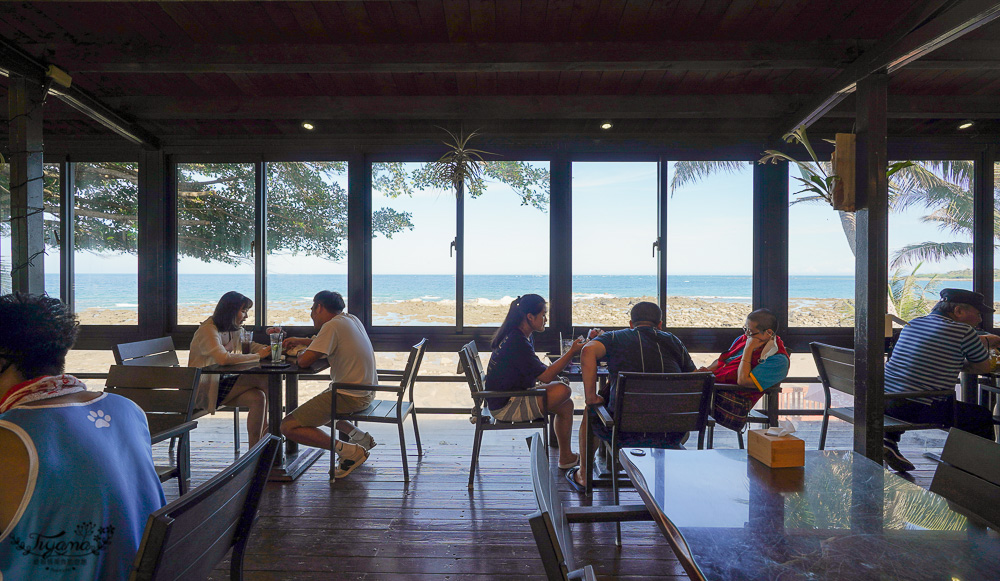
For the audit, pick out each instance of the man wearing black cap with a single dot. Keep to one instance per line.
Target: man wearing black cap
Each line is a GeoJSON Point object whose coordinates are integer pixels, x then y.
{"type": "Point", "coordinates": [929, 354]}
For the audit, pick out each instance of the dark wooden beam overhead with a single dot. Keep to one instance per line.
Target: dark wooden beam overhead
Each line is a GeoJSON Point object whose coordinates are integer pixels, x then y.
{"type": "Point", "coordinates": [928, 26]}
{"type": "Point", "coordinates": [13, 60]}
{"type": "Point", "coordinates": [458, 107]}
{"type": "Point", "coordinates": [455, 57]}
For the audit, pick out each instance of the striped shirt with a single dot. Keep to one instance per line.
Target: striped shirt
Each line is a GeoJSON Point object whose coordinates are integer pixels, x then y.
{"type": "Point", "coordinates": [930, 353]}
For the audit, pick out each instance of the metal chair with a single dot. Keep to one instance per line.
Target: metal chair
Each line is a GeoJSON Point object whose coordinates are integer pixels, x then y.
{"type": "Point", "coordinates": [752, 415]}
{"type": "Point", "coordinates": [469, 358]}
{"type": "Point", "coordinates": [166, 395]}
{"type": "Point", "coordinates": [651, 404]}
{"type": "Point", "coordinates": [187, 538]}
{"type": "Point", "coordinates": [969, 477]}
{"type": "Point", "coordinates": [160, 352]}
{"type": "Point", "coordinates": [386, 411]}
{"type": "Point", "coordinates": [836, 371]}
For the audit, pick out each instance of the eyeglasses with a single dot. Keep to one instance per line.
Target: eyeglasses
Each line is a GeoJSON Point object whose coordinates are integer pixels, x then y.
{"type": "Point", "coordinates": [746, 331]}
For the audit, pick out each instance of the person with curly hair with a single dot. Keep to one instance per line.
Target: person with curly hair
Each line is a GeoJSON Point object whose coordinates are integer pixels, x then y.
{"type": "Point", "coordinates": [77, 481]}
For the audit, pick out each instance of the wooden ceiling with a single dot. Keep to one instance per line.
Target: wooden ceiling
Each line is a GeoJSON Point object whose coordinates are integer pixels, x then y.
{"type": "Point", "coordinates": [183, 71]}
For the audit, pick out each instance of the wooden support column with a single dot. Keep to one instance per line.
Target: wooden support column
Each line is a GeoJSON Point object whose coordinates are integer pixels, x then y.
{"type": "Point", "coordinates": [560, 250]}
{"type": "Point", "coordinates": [359, 238]}
{"type": "Point", "coordinates": [770, 240]}
{"type": "Point", "coordinates": [26, 185]}
{"type": "Point", "coordinates": [983, 229]}
{"type": "Point", "coordinates": [157, 245]}
{"type": "Point", "coordinates": [871, 270]}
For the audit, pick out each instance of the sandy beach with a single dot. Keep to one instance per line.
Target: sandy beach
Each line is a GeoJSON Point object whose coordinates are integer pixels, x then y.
{"type": "Point", "coordinates": [593, 311]}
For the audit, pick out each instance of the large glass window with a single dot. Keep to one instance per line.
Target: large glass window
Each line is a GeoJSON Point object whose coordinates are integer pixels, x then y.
{"type": "Point", "coordinates": [413, 253]}
{"type": "Point", "coordinates": [506, 248]}
{"type": "Point", "coordinates": [614, 228]}
{"type": "Point", "coordinates": [820, 261]}
{"type": "Point", "coordinates": [306, 236]}
{"type": "Point", "coordinates": [51, 217]}
{"type": "Point", "coordinates": [930, 234]}
{"type": "Point", "coordinates": [215, 237]}
{"type": "Point", "coordinates": [106, 235]}
{"type": "Point", "coordinates": [709, 244]}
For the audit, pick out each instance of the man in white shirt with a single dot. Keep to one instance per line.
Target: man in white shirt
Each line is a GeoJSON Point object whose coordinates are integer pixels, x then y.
{"type": "Point", "coordinates": [343, 341]}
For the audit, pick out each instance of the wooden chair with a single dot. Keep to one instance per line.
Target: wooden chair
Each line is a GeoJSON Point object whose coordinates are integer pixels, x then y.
{"type": "Point", "coordinates": [187, 538]}
{"type": "Point", "coordinates": [753, 416]}
{"type": "Point", "coordinates": [160, 352]}
{"type": "Point", "coordinates": [836, 371]}
{"type": "Point", "coordinates": [469, 357]}
{"type": "Point", "coordinates": [969, 477]}
{"type": "Point", "coordinates": [166, 395]}
{"type": "Point", "coordinates": [550, 525]}
{"type": "Point", "coordinates": [654, 403]}
{"type": "Point", "coordinates": [386, 411]}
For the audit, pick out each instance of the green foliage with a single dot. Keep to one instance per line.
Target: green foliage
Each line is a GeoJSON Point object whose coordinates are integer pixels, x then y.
{"type": "Point", "coordinates": [910, 298]}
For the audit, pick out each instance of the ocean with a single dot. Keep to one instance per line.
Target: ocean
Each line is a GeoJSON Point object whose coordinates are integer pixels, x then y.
{"type": "Point", "coordinates": [119, 291]}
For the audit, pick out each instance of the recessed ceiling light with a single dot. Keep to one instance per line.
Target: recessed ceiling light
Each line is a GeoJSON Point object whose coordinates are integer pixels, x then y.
{"type": "Point", "coordinates": [308, 126]}
{"type": "Point", "coordinates": [607, 125]}
{"type": "Point", "coordinates": [966, 124]}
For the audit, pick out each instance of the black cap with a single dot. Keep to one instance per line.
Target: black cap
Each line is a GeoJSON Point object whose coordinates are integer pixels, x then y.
{"type": "Point", "coordinates": [966, 297]}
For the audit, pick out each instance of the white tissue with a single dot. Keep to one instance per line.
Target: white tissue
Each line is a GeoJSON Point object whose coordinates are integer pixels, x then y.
{"type": "Point", "coordinates": [784, 428]}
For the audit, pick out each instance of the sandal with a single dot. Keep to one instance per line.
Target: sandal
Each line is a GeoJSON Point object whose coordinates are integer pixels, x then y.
{"type": "Point", "coordinates": [568, 465]}
{"type": "Point", "coordinates": [571, 477]}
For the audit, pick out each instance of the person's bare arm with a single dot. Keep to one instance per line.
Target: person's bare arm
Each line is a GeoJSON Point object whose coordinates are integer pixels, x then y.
{"type": "Point", "coordinates": [588, 368]}
{"type": "Point", "coordinates": [550, 373]}
{"type": "Point", "coordinates": [307, 358]}
{"type": "Point", "coordinates": [743, 378]}
{"type": "Point", "coordinates": [982, 367]}
{"type": "Point", "coordinates": [13, 475]}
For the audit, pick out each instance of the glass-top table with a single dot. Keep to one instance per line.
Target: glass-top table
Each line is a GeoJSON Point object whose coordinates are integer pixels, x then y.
{"type": "Point", "coordinates": [840, 517]}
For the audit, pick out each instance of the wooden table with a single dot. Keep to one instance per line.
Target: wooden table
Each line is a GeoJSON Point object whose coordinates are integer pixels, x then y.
{"type": "Point", "coordinates": [841, 517]}
{"type": "Point", "coordinates": [290, 462]}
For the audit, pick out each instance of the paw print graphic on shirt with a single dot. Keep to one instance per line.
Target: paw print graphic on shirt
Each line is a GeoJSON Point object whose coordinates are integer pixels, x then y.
{"type": "Point", "coordinates": [100, 419]}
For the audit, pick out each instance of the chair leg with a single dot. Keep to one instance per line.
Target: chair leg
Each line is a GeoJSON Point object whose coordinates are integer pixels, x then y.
{"type": "Point", "coordinates": [739, 438]}
{"type": "Point", "coordinates": [545, 432]}
{"type": "Point", "coordinates": [402, 452]}
{"type": "Point", "coordinates": [236, 433]}
{"type": "Point", "coordinates": [183, 464]}
{"type": "Point", "coordinates": [711, 436]}
{"type": "Point", "coordinates": [614, 488]}
{"type": "Point", "coordinates": [476, 442]}
{"type": "Point", "coordinates": [416, 433]}
{"type": "Point", "coordinates": [822, 431]}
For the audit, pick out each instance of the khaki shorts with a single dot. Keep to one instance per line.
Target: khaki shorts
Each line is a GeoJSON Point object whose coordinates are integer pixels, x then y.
{"type": "Point", "coordinates": [521, 409]}
{"type": "Point", "coordinates": [316, 412]}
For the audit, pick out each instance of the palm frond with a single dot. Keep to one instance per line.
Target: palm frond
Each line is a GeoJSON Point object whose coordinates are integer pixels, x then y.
{"type": "Point", "coordinates": [930, 251]}
{"type": "Point", "coordinates": [687, 172]}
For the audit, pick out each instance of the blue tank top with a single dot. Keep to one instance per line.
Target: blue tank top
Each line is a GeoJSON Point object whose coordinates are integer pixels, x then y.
{"type": "Point", "coordinates": [91, 488]}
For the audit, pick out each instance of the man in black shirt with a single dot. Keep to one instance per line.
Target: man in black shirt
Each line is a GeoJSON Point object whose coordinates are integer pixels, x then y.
{"type": "Point", "coordinates": [643, 347]}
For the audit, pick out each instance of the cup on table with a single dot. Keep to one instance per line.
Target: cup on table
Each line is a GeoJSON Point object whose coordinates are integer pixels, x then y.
{"type": "Point", "coordinates": [246, 337]}
{"type": "Point", "coordinates": [276, 339]}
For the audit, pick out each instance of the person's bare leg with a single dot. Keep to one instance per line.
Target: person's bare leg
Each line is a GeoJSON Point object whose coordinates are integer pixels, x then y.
{"type": "Point", "coordinates": [558, 400]}
{"type": "Point", "coordinates": [317, 438]}
{"type": "Point", "coordinates": [250, 395]}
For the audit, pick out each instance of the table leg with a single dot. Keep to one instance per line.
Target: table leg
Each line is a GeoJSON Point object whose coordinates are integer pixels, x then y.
{"type": "Point", "coordinates": [291, 462]}
{"type": "Point", "coordinates": [970, 387]}
{"type": "Point", "coordinates": [291, 402]}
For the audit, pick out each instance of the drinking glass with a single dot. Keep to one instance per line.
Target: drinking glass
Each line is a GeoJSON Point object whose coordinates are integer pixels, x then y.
{"type": "Point", "coordinates": [276, 339]}
{"type": "Point", "coordinates": [245, 339]}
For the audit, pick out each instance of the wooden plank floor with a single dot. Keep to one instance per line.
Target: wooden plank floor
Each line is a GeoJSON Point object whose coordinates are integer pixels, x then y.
{"type": "Point", "coordinates": [373, 526]}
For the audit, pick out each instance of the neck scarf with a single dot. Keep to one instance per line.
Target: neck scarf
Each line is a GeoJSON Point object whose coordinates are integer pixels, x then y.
{"type": "Point", "coordinates": [728, 370]}
{"type": "Point", "coordinates": [39, 388]}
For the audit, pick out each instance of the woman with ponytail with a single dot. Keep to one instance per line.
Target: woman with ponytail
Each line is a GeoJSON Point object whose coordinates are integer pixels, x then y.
{"type": "Point", "coordinates": [515, 367]}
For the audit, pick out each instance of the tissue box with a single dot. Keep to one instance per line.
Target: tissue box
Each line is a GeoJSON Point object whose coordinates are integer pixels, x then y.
{"type": "Point", "coordinates": [776, 451]}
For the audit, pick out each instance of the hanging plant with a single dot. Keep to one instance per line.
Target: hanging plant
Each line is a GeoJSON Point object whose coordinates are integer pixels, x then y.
{"type": "Point", "coordinates": [461, 163]}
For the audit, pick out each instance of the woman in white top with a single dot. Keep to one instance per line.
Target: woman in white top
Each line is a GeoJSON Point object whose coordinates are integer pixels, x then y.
{"type": "Point", "coordinates": [217, 341]}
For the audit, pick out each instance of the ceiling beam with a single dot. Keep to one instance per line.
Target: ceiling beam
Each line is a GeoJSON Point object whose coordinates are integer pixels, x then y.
{"type": "Point", "coordinates": [452, 57]}
{"type": "Point", "coordinates": [458, 107]}
{"type": "Point", "coordinates": [15, 61]}
{"type": "Point", "coordinates": [926, 27]}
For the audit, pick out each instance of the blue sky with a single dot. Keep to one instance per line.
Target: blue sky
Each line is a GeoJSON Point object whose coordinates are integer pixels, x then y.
{"type": "Point", "coordinates": [614, 214]}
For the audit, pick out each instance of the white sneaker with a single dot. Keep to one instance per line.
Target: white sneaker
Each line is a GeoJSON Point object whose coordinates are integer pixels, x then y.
{"type": "Point", "coordinates": [363, 439]}
{"type": "Point", "coordinates": [347, 465]}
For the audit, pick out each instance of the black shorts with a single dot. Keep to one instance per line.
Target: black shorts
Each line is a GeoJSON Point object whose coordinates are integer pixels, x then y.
{"type": "Point", "coordinates": [226, 383]}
